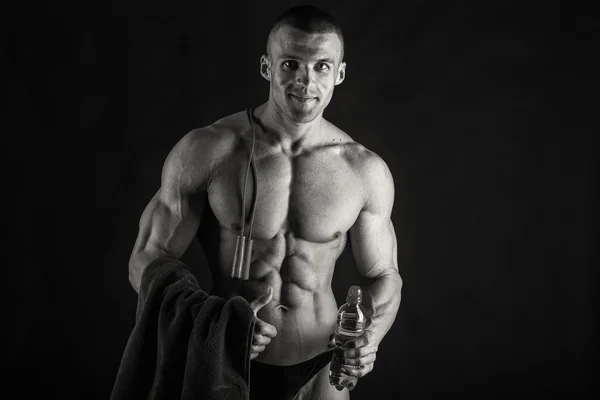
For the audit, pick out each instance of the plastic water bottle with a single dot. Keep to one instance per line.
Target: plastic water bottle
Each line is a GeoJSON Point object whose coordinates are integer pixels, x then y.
{"type": "Point", "coordinates": [350, 324]}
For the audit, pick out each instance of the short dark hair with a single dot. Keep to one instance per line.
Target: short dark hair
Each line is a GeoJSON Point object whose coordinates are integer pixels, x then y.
{"type": "Point", "coordinates": [308, 19]}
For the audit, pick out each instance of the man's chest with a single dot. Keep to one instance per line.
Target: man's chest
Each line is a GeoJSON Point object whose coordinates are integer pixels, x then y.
{"type": "Point", "coordinates": [317, 196]}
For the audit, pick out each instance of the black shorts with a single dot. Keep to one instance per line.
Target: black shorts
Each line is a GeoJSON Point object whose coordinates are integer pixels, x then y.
{"type": "Point", "coordinates": [282, 383]}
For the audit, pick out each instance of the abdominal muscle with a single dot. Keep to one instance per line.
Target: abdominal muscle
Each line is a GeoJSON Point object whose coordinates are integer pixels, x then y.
{"type": "Point", "coordinates": [303, 308]}
{"type": "Point", "coordinates": [303, 329]}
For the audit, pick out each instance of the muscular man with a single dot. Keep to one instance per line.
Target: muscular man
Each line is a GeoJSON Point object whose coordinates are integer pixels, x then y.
{"type": "Point", "coordinates": [316, 190]}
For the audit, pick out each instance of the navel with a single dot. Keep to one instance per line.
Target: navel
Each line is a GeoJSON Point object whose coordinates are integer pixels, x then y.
{"type": "Point", "coordinates": [236, 227]}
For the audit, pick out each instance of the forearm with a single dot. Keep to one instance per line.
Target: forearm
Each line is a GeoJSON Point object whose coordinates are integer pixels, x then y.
{"type": "Point", "coordinates": [382, 301]}
{"type": "Point", "coordinates": [138, 262]}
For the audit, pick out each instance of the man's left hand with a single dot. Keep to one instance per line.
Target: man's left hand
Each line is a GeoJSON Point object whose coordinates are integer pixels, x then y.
{"type": "Point", "coordinates": [358, 355]}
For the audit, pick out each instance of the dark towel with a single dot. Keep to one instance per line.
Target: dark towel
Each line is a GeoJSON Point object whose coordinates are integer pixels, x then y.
{"type": "Point", "coordinates": [185, 344]}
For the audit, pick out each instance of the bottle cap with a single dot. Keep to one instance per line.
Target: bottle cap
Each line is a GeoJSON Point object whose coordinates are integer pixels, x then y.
{"type": "Point", "coordinates": [354, 296]}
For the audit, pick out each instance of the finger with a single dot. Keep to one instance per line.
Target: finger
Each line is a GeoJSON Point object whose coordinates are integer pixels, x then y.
{"type": "Point", "coordinates": [355, 353]}
{"type": "Point", "coordinates": [262, 301]}
{"type": "Point", "coordinates": [261, 340]}
{"type": "Point", "coordinates": [354, 343]}
{"type": "Point", "coordinates": [263, 328]}
{"type": "Point", "coordinates": [257, 348]}
{"type": "Point", "coordinates": [357, 362]}
{"type": "Point", "coordinates": [331, 343]}
{"type": "Point", "coordinates": [358, 372]}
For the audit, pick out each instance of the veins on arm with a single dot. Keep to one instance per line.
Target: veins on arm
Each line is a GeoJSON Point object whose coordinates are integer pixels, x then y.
{"type": "Point", "coordinates": [374, 247]}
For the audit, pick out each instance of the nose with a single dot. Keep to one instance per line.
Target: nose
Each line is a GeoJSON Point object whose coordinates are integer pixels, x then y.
{"type": "Point", "coordinates": [303, 77]}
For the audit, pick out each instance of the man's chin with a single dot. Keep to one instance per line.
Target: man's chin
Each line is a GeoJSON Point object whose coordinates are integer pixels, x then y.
{"type": "Point", "coordinates": [303, 114]}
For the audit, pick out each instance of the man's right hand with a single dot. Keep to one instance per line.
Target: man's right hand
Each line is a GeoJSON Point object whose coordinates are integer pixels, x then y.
{"type": "Point", "coordinates": [263, 332]}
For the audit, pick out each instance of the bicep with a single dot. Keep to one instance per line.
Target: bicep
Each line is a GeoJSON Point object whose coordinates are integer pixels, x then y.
{"type": "Point", "coordinates": [172, 217]}
{"type": "Point", "coordinates": [169, 223]}
{"type": "Point", "coordinates": [374, 246]}
{"type": "Point", "coordinates": [372, 237]}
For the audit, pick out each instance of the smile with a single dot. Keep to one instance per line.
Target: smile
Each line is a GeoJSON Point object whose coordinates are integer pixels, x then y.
{"type": "Point", "coordinates": [302, 99]}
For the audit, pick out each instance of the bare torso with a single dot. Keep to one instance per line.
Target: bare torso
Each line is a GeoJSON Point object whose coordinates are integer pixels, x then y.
{"type": "Point", "coordinates": [308, 199]}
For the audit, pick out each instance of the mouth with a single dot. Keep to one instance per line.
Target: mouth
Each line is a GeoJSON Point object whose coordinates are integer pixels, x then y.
{"type": "Point", "coordinates": [302, 99]}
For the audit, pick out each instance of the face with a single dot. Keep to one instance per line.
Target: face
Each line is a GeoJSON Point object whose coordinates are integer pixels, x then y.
{"type": "Point", "coordinates": [303, 69]}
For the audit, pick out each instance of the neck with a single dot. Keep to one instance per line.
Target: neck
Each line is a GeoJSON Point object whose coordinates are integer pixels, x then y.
{"type": "Point", "coordinates": [281, 130]}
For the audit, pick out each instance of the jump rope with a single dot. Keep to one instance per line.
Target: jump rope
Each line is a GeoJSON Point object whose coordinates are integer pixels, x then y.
{"type": "Point", "coordinates": [243, 247]}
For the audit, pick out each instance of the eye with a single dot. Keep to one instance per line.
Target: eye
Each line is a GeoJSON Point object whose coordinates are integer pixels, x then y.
{"type": "Point", "coordinates": [290, 64]}
{"type": "Point", "coordinates": [322, 66]}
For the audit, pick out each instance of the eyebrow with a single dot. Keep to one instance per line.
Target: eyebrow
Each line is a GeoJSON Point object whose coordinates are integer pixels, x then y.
{"type": "Point", "coordinates": [327, 59]}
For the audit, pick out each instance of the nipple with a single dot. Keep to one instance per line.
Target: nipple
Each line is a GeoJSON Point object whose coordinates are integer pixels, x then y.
{"type": "Point", "coordinates": [354, 296]}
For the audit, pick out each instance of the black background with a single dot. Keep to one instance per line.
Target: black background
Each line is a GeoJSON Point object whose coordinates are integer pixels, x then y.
{"type": "Point", "coordinates": [482, 110]}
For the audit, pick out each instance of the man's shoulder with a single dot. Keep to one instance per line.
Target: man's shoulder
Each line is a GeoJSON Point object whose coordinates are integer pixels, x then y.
{"type": "Point", "coordinates": [220, 137]}
{"type": "Point", "coordinates": [370, 167]}
{"type": "Point", "coordinates": [365, 162]}
{"type": "Point", "coordinates": [374, 174]}
{"type": "Point", "coordinates": [232, 124]}
{"type": "Point", "coordinates": [202, 150]}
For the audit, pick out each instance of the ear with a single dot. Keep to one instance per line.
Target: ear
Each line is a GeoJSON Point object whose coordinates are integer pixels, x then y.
{"type": "Point", "coordinates": [341, 75]}
{"type": "Point", "coordinates": [265, 67]}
